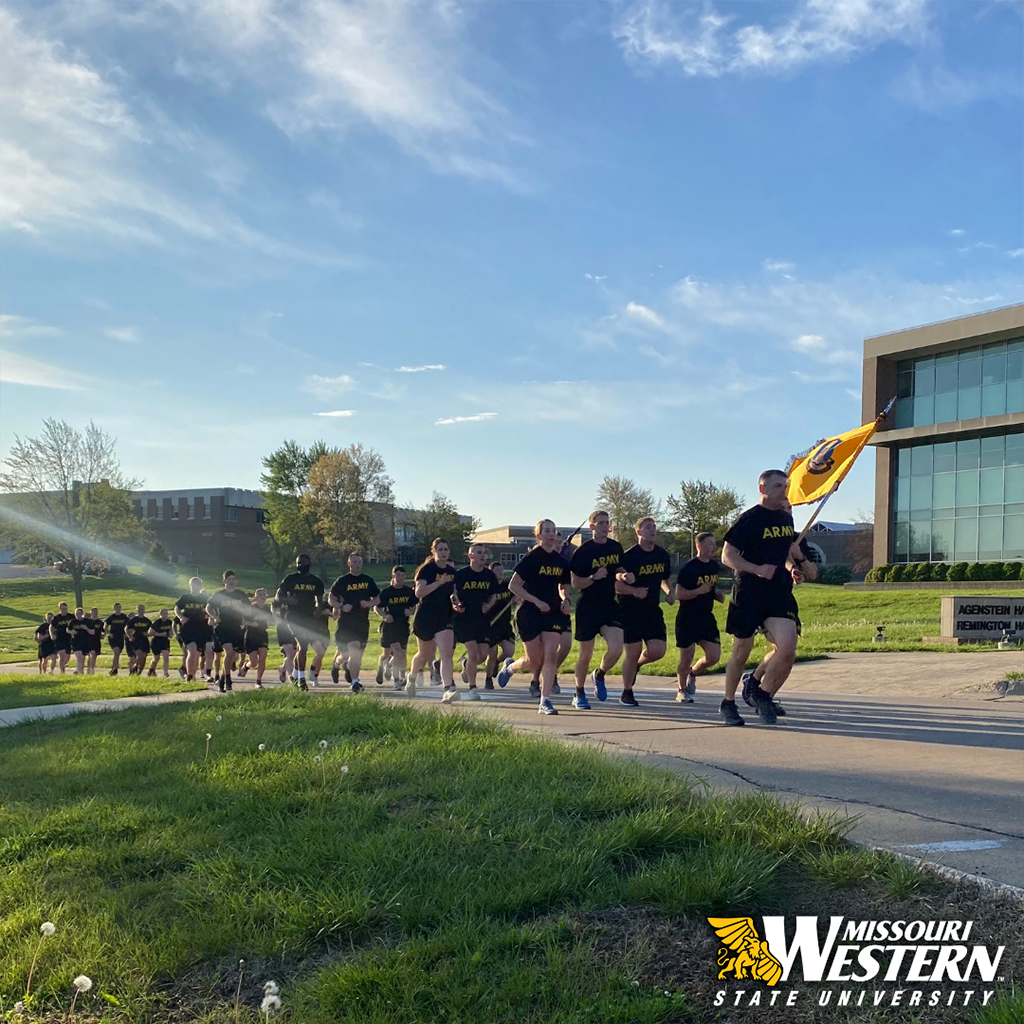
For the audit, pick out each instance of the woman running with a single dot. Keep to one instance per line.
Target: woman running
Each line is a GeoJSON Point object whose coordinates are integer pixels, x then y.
{"type": "Point", "coordinates": [435, 584]}
{"type": "Point", "coordinates": [397, 604]}
{"type": "Point", "coordinates": [160, 642]}
{"type": "Point", "coordinates": [257, 639]}
{"type": "Point", "coordinates": [475, 596]}
{"type": "Point", "coordinates": [502, 638]}
{"type": "Point", "coordinates": [541, 582]}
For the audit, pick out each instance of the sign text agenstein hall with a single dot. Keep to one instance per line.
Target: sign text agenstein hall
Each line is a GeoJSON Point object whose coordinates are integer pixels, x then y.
{"type": "Point", "coordinates": [982, 618]}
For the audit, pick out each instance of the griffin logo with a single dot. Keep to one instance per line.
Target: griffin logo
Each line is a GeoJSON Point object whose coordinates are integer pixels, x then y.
{"type": "Point", "coordinates": [821, 459]}
{"type": "Point", "coordinates": [744, 954]}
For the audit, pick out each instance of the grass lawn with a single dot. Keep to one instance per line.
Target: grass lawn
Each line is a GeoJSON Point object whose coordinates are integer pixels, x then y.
{"type": "Point", "coordinates": [28, 691]}
{"type": "Point", "coordinates": [383, 865]}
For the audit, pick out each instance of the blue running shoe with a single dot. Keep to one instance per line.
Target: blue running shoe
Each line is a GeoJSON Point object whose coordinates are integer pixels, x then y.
{"type": "Point", "coordinates": [600, 690]}
{"type": "Point", "coordinates": [749, 686]}
{"type": "Point", "coordinates": [357, 687]}
{"type": "Point", "coordinates": [505, 673]}
{"type": "Point", "coordinates": [580, 702]}
{"type": "Point", "coordinates": [546, 708]}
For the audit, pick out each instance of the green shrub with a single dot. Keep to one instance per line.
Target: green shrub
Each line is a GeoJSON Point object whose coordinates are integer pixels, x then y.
{"type": "Point", "coordinates": [957, 571]}
{"type": "Point", "coordinates": [976, 571]}
{"type": "Point", "coordinates": [1012, 570]}
{"type": "Point", "coordinates": [835, 575]}
{"type": "Point", "coordinates": [922, 572]}
{"type": "Point", "coordinates": [993, 571]}
{"type": "Point", "coordinates": [1021, 576]}
{"type": "Point", "coordinates": [878, 574]}
{"type": "Point", "coordinates": [939, 571]}
{"type": "Point", "coordinates": [895, 574]}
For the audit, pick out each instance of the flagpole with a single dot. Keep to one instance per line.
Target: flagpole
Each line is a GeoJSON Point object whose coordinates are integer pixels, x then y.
{"type": "Point", "coordinates": [835, 487]}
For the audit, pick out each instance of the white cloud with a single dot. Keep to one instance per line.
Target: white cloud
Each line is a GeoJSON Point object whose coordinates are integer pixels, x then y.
{"type": "Point", "coordinates": [658, 357]}
{"type": "Point", "coordinates": [957, 232]}
{"type": "Point", "coordinates": [936, 88]}
{"type": "Point", "coordinates": [338, 413]}
{"type": "Point", "coordinates": [1015, 252]}
{"type": "Point", "coordinates": [712, 41]}
{"type": "Point", "coordinates": [17, 369]}
{"type": "Point", "coordinates": [419, 369]}
{"type": "Point", "coordinates": [776, 265]}
{"type": "Point", "coordinates": [14, 326]}
{"type": "Point", "coordinates": [388, 392]}
{"type": "Point", "coordinates": [815, 347]}
{"type": "Point", "coordinates": [855, 395]}
{"type": "Point", "coordinates": [328, 387]}
{"type": "Point", "coordinates": [478, 418]}
{"type": "Point", "coordinates": [126, 334]}
{"type": "Point", "coordinates": [644, 315]}
{"type": "Point", "coordinates": [596, 277]}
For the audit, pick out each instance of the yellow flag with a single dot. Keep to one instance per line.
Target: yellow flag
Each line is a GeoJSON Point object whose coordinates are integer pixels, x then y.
{"type": "Point", "coordinates": [826, 464]}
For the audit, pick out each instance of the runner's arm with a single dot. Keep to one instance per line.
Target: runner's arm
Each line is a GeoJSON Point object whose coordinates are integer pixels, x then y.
{"type": "Point", "coordinates": [732, 558]}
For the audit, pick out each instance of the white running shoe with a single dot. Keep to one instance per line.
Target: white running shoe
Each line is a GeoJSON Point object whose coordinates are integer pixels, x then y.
{"type": "Point", "coordinates": [450, 696]}
{"type": "Point", "coordinates": [473, 694]}
{"type": "Point", "coordinates": [410, 687]}
{"type": "Point", "coordinates": [399, 685]}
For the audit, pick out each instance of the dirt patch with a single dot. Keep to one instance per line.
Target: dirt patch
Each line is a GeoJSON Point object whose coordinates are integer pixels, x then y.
{"type": "Point", "coordinates": [1000, 688]}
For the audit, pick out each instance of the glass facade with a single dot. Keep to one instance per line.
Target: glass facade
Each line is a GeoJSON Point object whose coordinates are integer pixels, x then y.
{"type": "Point", "coordinates": [959, 501]}
{"type": "Point", "coordinates": [987, 380]}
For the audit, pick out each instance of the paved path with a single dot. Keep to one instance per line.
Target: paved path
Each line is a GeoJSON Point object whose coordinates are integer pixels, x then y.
{"type": "Point", "coordinates": [929, 772]}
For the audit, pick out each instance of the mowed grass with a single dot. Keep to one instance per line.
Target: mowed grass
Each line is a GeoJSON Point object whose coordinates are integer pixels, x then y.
{"type": "Point", "coordinates": [28, 691]}
{"type": "Point", "coordinates": [380, 863]}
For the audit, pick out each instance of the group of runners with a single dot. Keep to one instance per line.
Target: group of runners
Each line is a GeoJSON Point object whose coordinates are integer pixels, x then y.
{"type": "Point", "coordinates": [620, 592]}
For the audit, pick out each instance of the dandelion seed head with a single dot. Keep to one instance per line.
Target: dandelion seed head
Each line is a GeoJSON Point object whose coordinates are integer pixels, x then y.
{"type": "Point", "coordinates": [271, 1004]}
{"type": "Point", "coordinates": [262, 746]}
{"type": "Point", "coordinates": [219, 717]}
{"type": "Point", "coordinates": [19, 1007]}
{"type": "Point", "coordinates": [270, 988]}
{"type": "Point", "coordinates": [318, 758]}
{"type": "Point", "coordinates": [344, 768]}
{"type": "Point", "coordinates": [82, 983]}
{"type": "Point", "coordinates": [241, 964]}
{"type": "Point", "coordinates": [209, 736]}
{"type": "Point", "coordinates": [47, 928]}
{"type": "Point", "coordinates": [667, 993]}
{"type": "Point", "coordinates": [637, 983]}
{"type": "Point", "coordinates": [323, 744]}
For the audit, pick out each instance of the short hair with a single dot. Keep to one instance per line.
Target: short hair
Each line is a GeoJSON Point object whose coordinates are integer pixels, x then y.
{"type": "Point", "coordinates": [303, 557]}
{"type": "Point", "coordinates": [594, 516]}
{"type": "Point", "coordinates": [229, 572]}
{"type": "Point", "coordinates": [768, 474]}
{"type": "Point", "coordinates": [496, 565]}
{"type": "Point", "coordinates": [645, 519]}
{"type": "Point", "coordinates": [195, 579]}
{"type": "Point", "coordinates": [705, 536]}
{"type": "Point", "coordinates": [397, 568]}
{"type": "Point", "coordinates": [163, 611]}
{"type": "Point", "coordinates": [355, 554]}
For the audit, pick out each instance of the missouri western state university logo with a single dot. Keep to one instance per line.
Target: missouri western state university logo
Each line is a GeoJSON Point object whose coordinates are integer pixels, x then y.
{"type": "Point", "coordinates": [822, 459]}
{"type": "Point", "coordinates": [745, 954]}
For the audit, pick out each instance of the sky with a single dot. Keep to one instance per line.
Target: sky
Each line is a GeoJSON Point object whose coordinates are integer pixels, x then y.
{"type": "Point", "coordinates": [513, 247]}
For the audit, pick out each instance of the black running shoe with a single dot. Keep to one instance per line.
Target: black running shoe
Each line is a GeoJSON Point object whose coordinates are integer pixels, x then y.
{"type": "Point", "coordinates": [628, 699]}
{"type": "Point", "coordinates": [301, 684]}
{"type": "Point", "coordinates": [227, 682]}
{"type": "Point", "coordinates": [181, 673]}
{"type": "Point", "coordinates": [488, 683]}
{"type": "Point", "coordinates": [348, 675]}
{"type": "Point", "coordinates": [765, 706]}
{"type": "Point", "coordinates": [113, 672]}
{"type": "Point", "coordinates": [728, 711]}
{"type": "Point", "coordinates": [357, 687]}
{"type": "Point", "coordinates": [749, 686]}
{"type": "Point", "coordinates": [465, 674]}
{"type": "Point", "coordinates": [220, 684]}
{"type": "Point", "coordinates": [779, 709]}
{"type": "Point", "coordinates": [534, 688]}
{"type": "Point", "coordinates": [380, 675]}
{"type": "Point", "coordinates": [335, 674]}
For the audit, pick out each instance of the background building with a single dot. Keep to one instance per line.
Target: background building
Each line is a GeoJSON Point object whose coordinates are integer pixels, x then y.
{"type": "Point", "coordinates": [949, 470]}
{"type": "Point", "coordinates": [509, 543]}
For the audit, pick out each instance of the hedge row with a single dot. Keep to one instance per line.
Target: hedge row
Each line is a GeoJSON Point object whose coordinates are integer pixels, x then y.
{"type": "Point", "coordinates": [925, 572]}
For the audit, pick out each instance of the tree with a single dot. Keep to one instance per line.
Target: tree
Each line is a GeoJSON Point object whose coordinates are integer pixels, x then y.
{"type": "Point", "coordinates": [441, 519]}
{"type": "Point", "coordinates": [157, 554]}
{"type": "Point", "coordinates": [67, 489]}
{"type": "Point", "coordinates": [860, 548]}
{"type": "Point", "coordinates": [626, 502]}
{"type": "Point", "coordinates": [702, 507]}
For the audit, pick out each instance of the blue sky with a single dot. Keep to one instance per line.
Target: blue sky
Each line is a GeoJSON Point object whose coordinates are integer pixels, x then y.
{"type": "Point", "coordinates": [514, 247]}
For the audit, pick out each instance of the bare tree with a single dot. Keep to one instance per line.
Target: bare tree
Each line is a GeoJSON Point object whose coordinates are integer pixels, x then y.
{"type": "Point", "coordinates": [626, 502]}
{"type": "Point", "coordinates": [67, 489]}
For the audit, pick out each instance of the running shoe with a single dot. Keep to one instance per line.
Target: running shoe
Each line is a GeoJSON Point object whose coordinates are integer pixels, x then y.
{"type": "Point", "coordinates": [534, 688]}
{"type": "Point", "coordinates": [410, 686]}
{"type": "Point", "coordinates": [335, 674]}
{"type": "Point", "coordinates": [259, 686]}
{"type": "Point", "coordinates": [546, 708]}
{"type": "Point", "coordinates": [435, 671]}
{"type": "Point", "coordinates": [728, 711]}
{"type": "Point", "coordinates": [220, 684]}
{"type": "Point", "coordinates": [580, 702]}
{"type": "Point", "coordinates": [181, 673]}
{"type": "Point", "coordinates": [387, 671]}
{"type": "Point", "coordinates": [465, 674]}
{"type": "Point", "coordinates": [488, 683]}
{"type": "Point", "coordinates": [779, 709]}
{"type": "Point", "coordinates": [683, 698]}
{"type": "Point", "coordinates": [280, 674]}
{"type": "Point", "coordinates": [691, 686]}
{"type": "Point", "coordinates": [473, 694]}
{"type": "Point", "coordinates": [450, 695]}
{"type": "Point", "coordinates": [113, 672]}
{"type": "Point", "coordinates": [242, 671]}
{"type": "Point", "coordinates": [356, 687]}
{"type": "Point", "coordinates": [749, 686]}
{"type": "Point", "coordinates": [765, 707]}
{"type": "Point", "coordinates": [399, 685]}
{"type": "Point", "coordinates": [505, 674]}
{"type": "Point", "coordinates": [152, 671]}
{"type": "Point", "coordinates": [301, 684]}
{"type": "Point", "coordinates": [628, 700]}
{"type": "Point", "coordinates": [380, 675]}
{"type": "Point", "coordinates": [555, 688]}
{"type": "Point", "coordinates": [348, 675]}
{"type": "Point", "coordinates": [600, 690]}
{"type": "Point", "coordinates": [314, 678]}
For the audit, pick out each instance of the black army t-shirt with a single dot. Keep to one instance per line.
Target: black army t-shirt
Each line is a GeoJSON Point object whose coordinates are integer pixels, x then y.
{"type": "Point", "coordinates": [115, 623]}
{"type": "Point", "coordinates": [474, 588]}
{"type": "Point", "coordinates": [60, 623]}
{"type": "Point", "coordinates": [193, 608]}
{"type": "Point", "coordinates": [588, 559]}
{"type": "Point", "coordinates": [308, 591]}
{"type": "Point", "coordinates": [163, 628]}
{"type": "Point", "coordinates": [395, 601]}
{"type": "Point", "coordinates": [352, 590]}
{"type": "Point", "coordinates": [230, 607]}
{"type": "Point", "coordinates": [138, 626]}
{"type": "Point", "coordinates": [763, 537]}
{"type": "Point", "coordinates": [541, 572]}
{"type": "Point", "coordinates": [693, 575]}
{"type": "Point", "coordinates": [439, 602]}
{"type": "Point", "coordinates": [649, 568]}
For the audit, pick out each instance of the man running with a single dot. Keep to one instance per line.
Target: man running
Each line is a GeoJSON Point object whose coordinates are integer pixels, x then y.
{"type": "Point", "coordinates": [760, 547]}
{"type": "Point", "coordinates": [257, 634]}
{"type": "Point", "coordinates": [645, 575]}
{"type": "Point", "coordinates": [594, 566]}
{"type": "Point", "coordinates": [301, 596]}
{"type": "Point", "coordinates": [395, 608]}
{"type": "Point", "coordinates": [196, 632]}
{"type": "Point", "coordinates": [502, 638]}
{"type": "Point", "coordinates": [59, 633]}
{"type": "Point", "coordinates": [160, 641]}
{"type": "Point", "coordinates": [697, 591]}
{"type": "Point", "coordinates": [137, 631]}
{"type": "Point", "coordinates": [227, 610]}
{"type": "Point", "coordinates": [96, 640]}
{"type": "Point", "coordinates": [114, 625]}
{"type": "Point", "coordinates": [474, 597]}
{"type": "Point", "coordinates": [81, 631]}
{"type": "Point", "coordinates": [44, 643]}
{"type": "Point", "coordinates": [352, 596]}
{"type": "Point", "coordinates": [286, 641]}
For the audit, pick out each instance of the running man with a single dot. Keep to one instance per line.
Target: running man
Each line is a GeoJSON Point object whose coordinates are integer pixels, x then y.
{"type": "Point", "coordinates": [114, 624]}
{"type": "Point", "coordinates": [44, 643]}
{"type": "Point", "coordinates": [257, 635]}
{"type": "Point", "coordinates": [352, 597]}
{"type": "Point", "coordinates": [285, 640]}
{"type": "Point", "coordinates": [59, 633]}
{"type": "Point", "coordinates": [301, 596]}
{"type": "Point", "coordinates": [541, 582]}
{"type": "Point", "coordinates": [594, 566]}
{"type": "Point", "coordinates": [435, 583]}
{"type": "Point", "coordinates": [645, 575]}
{"type": "Point", "coordinates": [502, 637]}
{"type": "Point", "coordinates": [81, 632]}
{"type": "Point", "coordinates": [137, 631]}
{"type": "Point", "coordinates": [196, 632]}
{"type": "Point", "coordinates": [97, 639]}
{"type": "Point", "coordinates": [760, 547]}
{"type": "Point", "coordinates": [395, 608]}
{"type": "Point", "coordinates": [475, 595]}
{"type": "Point", "coordinates": [697, 591]}
{"type": "Point", "coordinates": [227, 611]}
{"type": "Point", "coordinates": [160, 641]}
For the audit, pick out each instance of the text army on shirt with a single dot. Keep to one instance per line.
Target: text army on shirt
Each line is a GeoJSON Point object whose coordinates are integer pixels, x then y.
{"type": "Point", "coordinates": [696, 574]}
{"type": "Point", "coordinates": [541, 572]}
{"type": "Point", "coordinates": [763, 537]}
{"type": "Point", "coordinates": [394, 601]}
{"type": "Point", "coordinates": [438, 603]}
{"type": "Point", "coordinates": [649, 568]}
{"type": "Point", "coordinates": [349, 589]}
{"type": "Point", "coordinates": [308, 591]}
{"type": "Point", "coordinates": [589, 557]}
{"type": "Point", "coordinates": [193, 608]}
{"type": "Point", "coordinates": [473, 588]}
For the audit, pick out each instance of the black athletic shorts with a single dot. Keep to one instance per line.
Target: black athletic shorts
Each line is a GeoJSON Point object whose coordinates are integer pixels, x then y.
{"type": "Point", "coordinates": [500, 633]}
{"type": "Point", "coordinates": [62, 643]}
{"type": "Point", "coordinates": [749, 607]}
{"type": "Point", "coordinates": [354, 632]}
{"type": "Point", "coordinates": [82, 644]}
{"type": "Point", "coordinates": [96, 644]}
{"type": "Point", "coordinates": [140, 644]}
{"type": "Point", "coordinates": [46, 649]}
{"type": "Point", "coordinates": [159, 644]}
{"type": "Point", "coordinates": [695, 629]}
{"type": "Point", "coordinates": [472, 629]}
{"type": "Point", "coordinates": [198, 633]}
{"type": "Point", "coordinates": [255, 639]}
{"type": "Point", "coordinates": [642, 621]}
{"type": "Point", "coordinates": [531, 622]}
{"type": "Point", "coordinates": [592, 616]}
{"type": "Point", "coordinates": [285, 636]}
{"type": "Point", "coordinates": [116, 641]}
{"type": "Point", "coordinates": [310, 631]}
{"type": "Point", "coordinates": [394, 633]}
{"type": "Point", "coordinates": [229, 635]}
{"type": "Point", "coordinates": [427, 626]}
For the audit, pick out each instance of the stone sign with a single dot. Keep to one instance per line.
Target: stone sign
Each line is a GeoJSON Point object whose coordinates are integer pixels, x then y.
{"type": "Point", "coordinates": [982, 618]}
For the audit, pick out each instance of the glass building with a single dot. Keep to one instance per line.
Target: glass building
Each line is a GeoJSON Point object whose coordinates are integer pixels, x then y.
{"type": "Point", "coordinates": [949, 474]}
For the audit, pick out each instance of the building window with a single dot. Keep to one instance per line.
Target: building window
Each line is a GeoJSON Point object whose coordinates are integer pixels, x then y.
{"type": "Point", "coordinates": [960, 501]}
{"type": "Point", "coordinates": [226, 534]}
{"type": "Point", "coordinates": [817, 555]}
{"type": "Point", "coordinates": [260, 516]}
{"type": "Point", "coordinates": [174, 508]}
{"type": "Point", "coordinates": [962, 385]}
{"type": "Point", "coordinates": [159, 515]}
{"type": "Point", "coordinates": [230, 514]}
{"type": "Point", "coordinates": [191, 513]}
{"type": "Point", "coordinates": [206, 508]}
